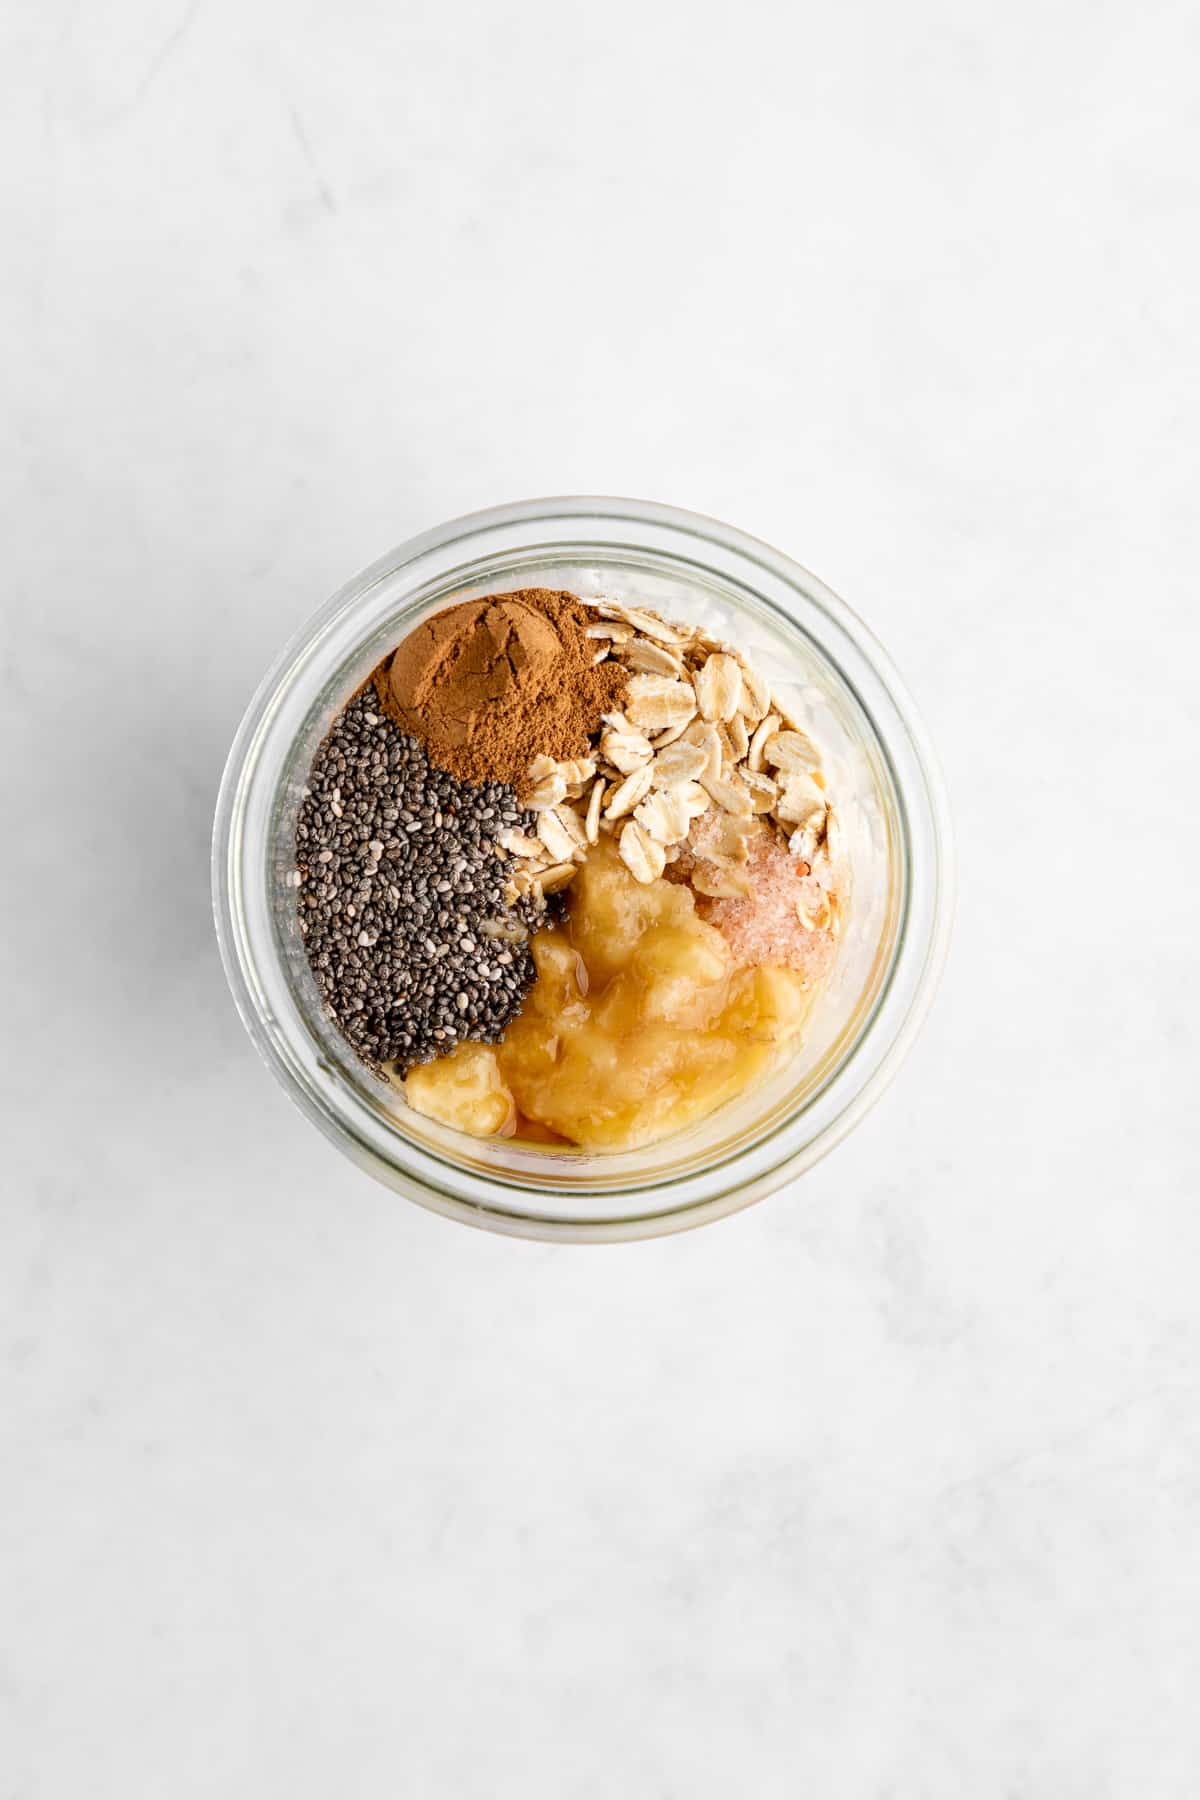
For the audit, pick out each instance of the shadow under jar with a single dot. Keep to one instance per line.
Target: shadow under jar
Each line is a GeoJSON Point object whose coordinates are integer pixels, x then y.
{"type": "Point", "coordinates": [895, 845]}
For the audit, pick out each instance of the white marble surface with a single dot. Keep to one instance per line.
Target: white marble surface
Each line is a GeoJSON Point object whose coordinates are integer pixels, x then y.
{"type": "Point", "coordinates": [888, 1489]}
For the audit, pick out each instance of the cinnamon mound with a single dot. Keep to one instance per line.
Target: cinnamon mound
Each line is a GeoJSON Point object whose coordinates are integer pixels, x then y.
{"type": "Point", "coordinates": [489, 684]}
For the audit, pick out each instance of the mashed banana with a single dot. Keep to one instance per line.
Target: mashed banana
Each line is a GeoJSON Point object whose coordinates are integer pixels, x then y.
{"type": "Point", "coordinates": [639, 1023]}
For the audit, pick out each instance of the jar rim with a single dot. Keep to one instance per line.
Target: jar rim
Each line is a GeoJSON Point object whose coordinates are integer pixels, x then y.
{"type": "Point", "coordinates": [519, 1207]}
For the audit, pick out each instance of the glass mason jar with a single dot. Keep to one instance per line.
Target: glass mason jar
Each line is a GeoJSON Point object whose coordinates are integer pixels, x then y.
{"type": "Point", "coordinates": [829, 670]}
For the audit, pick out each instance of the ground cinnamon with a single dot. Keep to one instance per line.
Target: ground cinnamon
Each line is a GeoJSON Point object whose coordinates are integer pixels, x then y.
{"type": "Point", "coordinates": [489, 684]}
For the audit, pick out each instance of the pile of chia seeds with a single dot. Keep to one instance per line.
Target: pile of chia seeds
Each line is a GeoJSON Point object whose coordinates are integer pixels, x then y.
{"type": "Point", "coordinates": [401, 895]}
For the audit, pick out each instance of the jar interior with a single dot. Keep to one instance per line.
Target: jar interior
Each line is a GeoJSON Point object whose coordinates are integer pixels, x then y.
{"type": "Point", "coordinates": [861, 784]}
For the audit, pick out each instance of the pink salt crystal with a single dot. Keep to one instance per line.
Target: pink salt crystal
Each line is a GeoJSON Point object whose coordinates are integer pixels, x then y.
{"type": "Point", "coordinates": [764, 927]}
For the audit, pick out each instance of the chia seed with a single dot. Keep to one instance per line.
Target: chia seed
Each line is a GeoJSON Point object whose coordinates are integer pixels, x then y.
{"type": "Point", "coordinates": [399, 875]}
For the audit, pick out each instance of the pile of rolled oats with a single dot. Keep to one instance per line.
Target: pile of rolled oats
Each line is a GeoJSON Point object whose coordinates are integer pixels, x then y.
{"type": "Point", "coordinates": [702, 737]}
